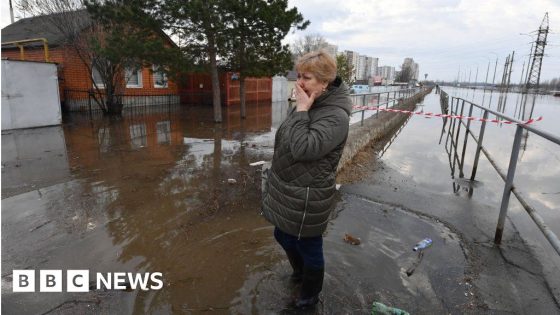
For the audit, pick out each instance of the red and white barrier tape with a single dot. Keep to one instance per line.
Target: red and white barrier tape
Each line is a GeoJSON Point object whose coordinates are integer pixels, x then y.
{"type": "Point", "coordinates": [430, 115]}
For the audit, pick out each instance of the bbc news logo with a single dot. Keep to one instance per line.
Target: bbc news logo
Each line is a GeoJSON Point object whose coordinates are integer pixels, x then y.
{"type": "Point", "coordinates": [78, 281]}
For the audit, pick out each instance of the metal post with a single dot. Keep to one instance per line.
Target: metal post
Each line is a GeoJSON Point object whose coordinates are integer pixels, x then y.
{"type": "Point", "coordinates": [388, 98]}
{"type": "Point", "coordinates": [452, 123]}
{"type": "Point", "coordinates": [456, 142]}
{"type": "Point", "coordinates": [479, 145]}
{"type": "Point", "coordinates": [450, 112]}
{"type": "Point", "coordinates": [509, 184]}
{"type": "Point", "coordinates": [21, 53]}
{"type": "Point", "coordinates": [362, 122]}
{"type": "Point", "coordinates": [461, 174]}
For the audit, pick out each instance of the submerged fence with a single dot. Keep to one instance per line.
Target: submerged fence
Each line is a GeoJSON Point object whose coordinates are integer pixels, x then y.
{"type": "Point", "coordinates": [84, 100]}
{"type": "Point", "coordinates": [379, 100]}
{"type": "Point", "coordinates": [456, 106]}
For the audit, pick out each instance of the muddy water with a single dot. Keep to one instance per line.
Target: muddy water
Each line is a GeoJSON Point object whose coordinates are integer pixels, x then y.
{"type": "Point", "coordinates": [148, 192]}
{"type": "Point", "coordinates": [422, 152]}
{"type": "Point", "coordinates": [151, 192]}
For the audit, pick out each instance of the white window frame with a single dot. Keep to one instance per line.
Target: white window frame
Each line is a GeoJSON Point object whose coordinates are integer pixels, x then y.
{"type": "Point", "coordinates": [138, 73]}
{"type": "Point", "coordinates": [93, 84]}
{"type": "Point", "coordinates": [159, 86]}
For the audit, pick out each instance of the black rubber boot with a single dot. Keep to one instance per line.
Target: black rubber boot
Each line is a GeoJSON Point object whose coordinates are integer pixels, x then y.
{"type": "Point", "coordinates": [297, 265]}
{"type": "Point", "coordinates": [310, 288]}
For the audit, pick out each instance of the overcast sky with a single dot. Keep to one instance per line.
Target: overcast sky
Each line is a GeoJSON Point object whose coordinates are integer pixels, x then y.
{"type": "Point", "coordinates": [441, 35]}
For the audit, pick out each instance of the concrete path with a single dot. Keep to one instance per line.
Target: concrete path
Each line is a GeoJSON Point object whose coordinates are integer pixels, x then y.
{"type": "Point", "coordinates": [496, 280]}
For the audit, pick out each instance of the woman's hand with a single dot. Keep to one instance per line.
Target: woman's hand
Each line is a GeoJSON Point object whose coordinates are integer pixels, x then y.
{"type": "Point", "coordinates": [304, 101]}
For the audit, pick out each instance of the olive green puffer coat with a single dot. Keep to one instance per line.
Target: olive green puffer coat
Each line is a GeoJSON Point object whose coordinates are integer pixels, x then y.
{"type": "Point", "coordinates": [299, 194]}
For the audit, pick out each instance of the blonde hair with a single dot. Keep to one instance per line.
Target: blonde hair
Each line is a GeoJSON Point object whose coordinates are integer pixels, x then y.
{"type": "Point", "coordinates": [319, 63]}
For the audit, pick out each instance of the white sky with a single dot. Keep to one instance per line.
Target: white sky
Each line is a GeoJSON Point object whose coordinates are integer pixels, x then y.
{"type": "Point", "coordinates": [441, 35]}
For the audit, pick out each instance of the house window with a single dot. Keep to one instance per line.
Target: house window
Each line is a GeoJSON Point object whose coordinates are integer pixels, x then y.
{"type": "Point", "coordinates": [138, 136]}
{"type": "Point", "coordinates": [160, 78]}
{"type": "Point", "coordinates": [96, 77]}
{"type": "Point", "coordinates": [163, 132]}
{"type": "Point", "coordinates": [133, 78]}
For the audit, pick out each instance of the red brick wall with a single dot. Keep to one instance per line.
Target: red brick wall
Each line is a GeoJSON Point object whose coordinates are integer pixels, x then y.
{"type": "Point", "coordinates": [73, 73]}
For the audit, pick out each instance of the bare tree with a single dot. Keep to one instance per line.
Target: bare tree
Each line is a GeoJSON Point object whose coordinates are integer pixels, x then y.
{"type": "Point", "coordinates": [94, 43]}
{"type": "Point", "coordinates": [405, 75]}
{"type": "Point", "coordinates": [308, 43]}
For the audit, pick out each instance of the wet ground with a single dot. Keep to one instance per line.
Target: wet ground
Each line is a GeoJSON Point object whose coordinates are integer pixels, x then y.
{"type": "Point", "coordinates": [169, 191]}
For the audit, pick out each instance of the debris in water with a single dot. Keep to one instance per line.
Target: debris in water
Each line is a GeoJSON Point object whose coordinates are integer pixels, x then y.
{"type": "Point", "coordinates": [351, 239]}
{"type": "Point", "coordinates": [231, 181]}
{"type": "Point", "coordinates": [423, 244]}
{"type": "Point", "coordinates": [257, 163]}
{"type": "Point", "coordinates": [91, 226]}
{"type": "Point", "coordinates": [382, 309]}
{"type": "Point", "coordinates": [338, 186]}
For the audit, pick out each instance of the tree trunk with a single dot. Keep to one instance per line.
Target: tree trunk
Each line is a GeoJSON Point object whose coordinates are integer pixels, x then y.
{"type": "Point", "coordinates": [242, 97]}
{"type": "Point", "coordinates": [112, 103]}
{"type": "Point", "coordinates": [215, 83]}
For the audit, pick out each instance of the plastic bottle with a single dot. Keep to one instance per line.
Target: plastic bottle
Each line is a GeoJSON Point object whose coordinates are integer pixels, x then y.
{"type": "Point", "coordinates": [382, 309]}
{"type": "Point", "coordinates": [425, 243]}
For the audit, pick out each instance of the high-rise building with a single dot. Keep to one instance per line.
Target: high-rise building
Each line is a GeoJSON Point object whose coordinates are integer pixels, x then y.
{"type": "Point", "coordinates": [361, 71]}
{"type": "Point", "coordinates": [416, 71]}
{"type": "Point", "coordinates": [412, 67]}
{"type": "Point", "coordinates": [374, 66]}
{"type": "Point", "coordinates": [331, 50]}
{"type": "Point", "coordinates": [387, 73]}
{"type": "Point", "coordinates": [352, 58]}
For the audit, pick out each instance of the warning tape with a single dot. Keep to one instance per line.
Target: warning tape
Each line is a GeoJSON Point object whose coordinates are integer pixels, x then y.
{"type": "Point", "coordinates": [430, 115]}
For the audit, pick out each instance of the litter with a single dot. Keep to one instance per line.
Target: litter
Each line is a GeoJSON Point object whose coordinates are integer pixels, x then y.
{"type": "Point", "coordinates": [382, 309]}
{"type": "Point", "coordinates": [351, 239]}
{"type": "Point", "coordinates": [423, 244]}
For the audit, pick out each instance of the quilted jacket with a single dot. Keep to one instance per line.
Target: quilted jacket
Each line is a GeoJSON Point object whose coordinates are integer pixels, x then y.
{"type": "Point", "coordinates": [298, 196]}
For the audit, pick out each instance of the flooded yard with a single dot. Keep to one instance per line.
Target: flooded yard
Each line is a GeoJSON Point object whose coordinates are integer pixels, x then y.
{"type": "Point", "coordinates": [169, 191]}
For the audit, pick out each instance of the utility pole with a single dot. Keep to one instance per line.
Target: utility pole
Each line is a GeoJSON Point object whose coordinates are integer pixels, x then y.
{"type": "Point", "coordinates": [510, 69]}
{"type": "Point", "coordinates": [522, 73]}
{"type": "Point", "coordinates": [476, 76]}
{"type": "Point", "coordinates": [11, 12]}
{"type": "Point", "coordinates": [534, 70]}
{"type": "Point", "coordinates": [504, 74]}
{"type": "Point", "coordinates": [495, 68]}
{"type": "Point", "coordinates": [528, 65]}
{"type": "Point", "coordinates": [487, 71]}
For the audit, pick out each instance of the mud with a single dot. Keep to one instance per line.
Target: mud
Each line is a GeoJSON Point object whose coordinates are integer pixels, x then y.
{"type": "Point", "coordinates": [152, 192]}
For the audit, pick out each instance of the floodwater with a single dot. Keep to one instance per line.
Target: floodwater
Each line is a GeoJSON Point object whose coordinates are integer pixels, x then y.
{"type": "Point", "coordinates": [169, 191]}
{"type": "Point", "coordinates": [423, 152]}
{"type": "Point", "coordinates": [145, 193]}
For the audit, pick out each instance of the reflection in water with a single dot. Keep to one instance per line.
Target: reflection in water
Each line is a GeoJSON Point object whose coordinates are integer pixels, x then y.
{"type": "Point", "coordinates": [456, 152]}
{"type": "Point", "coordinates": [157, 184]}
{"type": "Point", "coordinates": [387, 144]}
{"type": "Point", "coordinates": [33, 158]}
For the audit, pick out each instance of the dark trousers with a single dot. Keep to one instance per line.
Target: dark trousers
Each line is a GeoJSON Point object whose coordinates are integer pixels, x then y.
{"type": "Point", "coordinates": [310, 249]}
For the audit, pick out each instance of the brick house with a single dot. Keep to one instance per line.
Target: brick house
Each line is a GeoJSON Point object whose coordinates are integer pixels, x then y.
{"type": "Point", "coordinates": [144, 86]}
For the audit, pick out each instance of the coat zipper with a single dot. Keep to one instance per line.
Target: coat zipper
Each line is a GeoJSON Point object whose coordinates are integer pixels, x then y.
{"type": "Point", "coordinates": [304, 213]}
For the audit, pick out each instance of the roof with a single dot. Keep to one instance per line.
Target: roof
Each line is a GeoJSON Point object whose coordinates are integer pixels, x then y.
{"type": "Point", "coordinates": [43, 27]}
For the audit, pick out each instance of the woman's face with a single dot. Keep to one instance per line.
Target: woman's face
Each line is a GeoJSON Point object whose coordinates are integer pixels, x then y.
{"type": "Point", "coordinates": [309, 83]}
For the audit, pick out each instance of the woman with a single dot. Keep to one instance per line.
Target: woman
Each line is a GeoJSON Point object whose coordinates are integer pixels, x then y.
{"type": "Point", "coordinates": [301, 181]}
